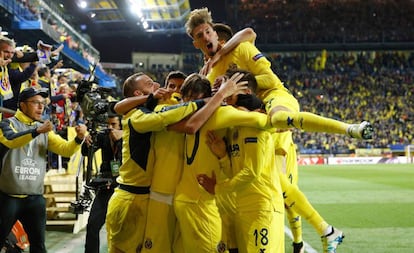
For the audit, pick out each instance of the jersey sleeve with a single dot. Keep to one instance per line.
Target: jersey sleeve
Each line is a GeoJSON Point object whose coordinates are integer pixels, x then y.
{"type": "Point", "coordinates": [259, 66]}
{"type": "Point", "coordinates": [60, 146]}
{"type": "Point", "coordinates": [11, 138]}
{"type": "Point", "coordinates": [228, 116]}
{"type": "Point", "coordinates": [145, 121]}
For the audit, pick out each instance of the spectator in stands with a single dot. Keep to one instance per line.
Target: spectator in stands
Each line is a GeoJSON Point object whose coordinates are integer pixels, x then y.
{"type": "Point", "coordinates": [64, 106]}
{"type": "Point", "coordinates": [62, 79]}
{"type": "Point", "coordinates": [11, 79]}
{"type": "Point", "coordinates": [46, 81]}
{"type": "Point", "coordinates": [33, 80]}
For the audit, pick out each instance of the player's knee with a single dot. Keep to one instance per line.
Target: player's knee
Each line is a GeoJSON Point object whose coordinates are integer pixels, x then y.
{"type": "Point", "coordinates": [281, 119]}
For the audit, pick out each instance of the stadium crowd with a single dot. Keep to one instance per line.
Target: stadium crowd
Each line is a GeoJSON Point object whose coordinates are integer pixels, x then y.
{"type": "Point", "coordinates": [325, 21]}
{"type": "Point", "coordinates": [351, 86]}
{"type": "Point", "coordinates": [347, 78]}
{"type": "Point", "coordinates": [373, 86]}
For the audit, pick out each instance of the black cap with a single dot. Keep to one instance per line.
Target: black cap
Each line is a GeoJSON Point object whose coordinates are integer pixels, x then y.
{"type": "Point", "coordinates": [31, 92]}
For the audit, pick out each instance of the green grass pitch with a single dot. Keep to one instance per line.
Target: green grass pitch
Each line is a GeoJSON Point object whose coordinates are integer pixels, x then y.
{"type": "Point", "coordinates": [372, 204]}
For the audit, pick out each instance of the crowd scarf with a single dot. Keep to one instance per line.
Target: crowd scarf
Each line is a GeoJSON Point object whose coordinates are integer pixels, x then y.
{"type": "Point", "coordinates": [6, 91]}
{"type": "Point", "coordinates": [44, 56]}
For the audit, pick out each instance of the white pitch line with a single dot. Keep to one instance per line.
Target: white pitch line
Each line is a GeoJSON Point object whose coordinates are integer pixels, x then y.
{"type": "Point", "coordinates": [308, 247]}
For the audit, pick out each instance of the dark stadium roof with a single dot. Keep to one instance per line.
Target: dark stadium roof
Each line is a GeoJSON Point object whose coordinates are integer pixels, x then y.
{"type": "Point", "coordinates": [113, 26]}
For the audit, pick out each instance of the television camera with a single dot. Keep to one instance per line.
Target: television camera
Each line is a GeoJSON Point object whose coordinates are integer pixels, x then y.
{"type": "Point", "coordinates": [96, 104]}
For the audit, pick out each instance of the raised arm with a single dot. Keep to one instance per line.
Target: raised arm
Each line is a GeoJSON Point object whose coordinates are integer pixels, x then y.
{"type": "Point", "coordinates": [127, 104]}
{"type": "Point", "coordinates": [245, 35]}
{"type": "Point", "coordinates": [194, 123]}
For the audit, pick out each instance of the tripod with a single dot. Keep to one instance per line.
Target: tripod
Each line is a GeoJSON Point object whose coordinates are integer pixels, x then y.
{"type": "Point", "coordinates": [84, 200]}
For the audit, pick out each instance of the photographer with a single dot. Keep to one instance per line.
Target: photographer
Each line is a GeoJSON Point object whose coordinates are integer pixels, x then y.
{"type": "Point", "coordinates": [110, 142]}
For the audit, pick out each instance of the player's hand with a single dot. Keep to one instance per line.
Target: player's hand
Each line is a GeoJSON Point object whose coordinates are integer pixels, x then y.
{"type": "Point", "coordinates": [209, 64]}
{"type": "Point", "coordinates": [204, 71]}
{"type": "Point", "coordinates": [206, 67]}
{"type": "Point", "coordinates": [208, 183]}
{"type": "Point", "coordinates": [217, 145]}
{"type": "Point", "coordinates": [45, 127]}
{"type": "Point", "coordinates": [162, 94]}
{"type": "Point", "coordinates": [217, 83]}
{"type": "Point", "coordinates": [233, 85]}
{"type": "Point", "coordinates": [115, 134]}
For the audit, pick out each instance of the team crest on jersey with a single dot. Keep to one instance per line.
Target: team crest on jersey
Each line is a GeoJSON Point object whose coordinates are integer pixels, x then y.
{"type": "Point", "coordinates": [148, 243]}
{"type": "Point", "coordinates": [257, 56]}
{"type": "Point", "coordinates": [221, 247]}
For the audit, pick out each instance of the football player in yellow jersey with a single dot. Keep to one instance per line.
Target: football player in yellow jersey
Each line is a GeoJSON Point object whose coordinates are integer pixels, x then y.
{"type": "Point", "coordinates": [285, 152]}
{"type": "Point", "coordinates": [296, 202]}
{"type": "Point", "coordinates": [226, 202]}
{"type": "Point", "coordinates": [127, 208]}
{"type": "Point", "coordinates": [171, 90]}
{"type": "Point", "coordinates": [281, 105]}
{"type": "Point", "coordinates": [132, 197]}
{"type": "Point", "coordinates": [169, 149]}
{"type": "Point", "coordinates": [191, 200]}
{"type": "Point", "coordinates": [173, 83]}
{"type": "Point", "coordinates": [259, 217]}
